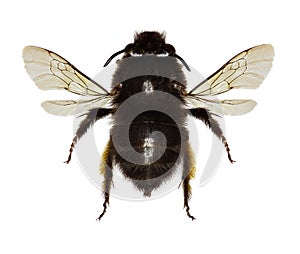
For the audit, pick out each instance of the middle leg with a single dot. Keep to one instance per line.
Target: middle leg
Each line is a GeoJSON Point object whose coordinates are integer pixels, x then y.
{"type": "Point", "coordinates": [203, 115]}
{"type": "Point", "coordinates": [106, 170]}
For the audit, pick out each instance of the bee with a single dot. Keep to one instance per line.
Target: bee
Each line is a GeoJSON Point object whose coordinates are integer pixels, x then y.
{"type": "Point", "coordinates": [151, 76]}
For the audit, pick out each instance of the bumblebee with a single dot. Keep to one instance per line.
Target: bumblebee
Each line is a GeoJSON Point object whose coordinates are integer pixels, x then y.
{"type": "Point", "coordinates": [149, 104]}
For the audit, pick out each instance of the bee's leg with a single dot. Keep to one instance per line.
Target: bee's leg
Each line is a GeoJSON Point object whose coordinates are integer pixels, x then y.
{"type": "Point", "coordinates": [188, 173]}
{"type": "Point", "coordinates": [203, 115]}
{"type": "Point", "coordinates": [106, 170]}
{"type": "Point", "coordinates": [91, 117]}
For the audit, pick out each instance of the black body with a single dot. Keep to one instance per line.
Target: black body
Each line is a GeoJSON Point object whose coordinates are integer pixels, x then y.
{"type": "Point", "coordinates": [168, 93]}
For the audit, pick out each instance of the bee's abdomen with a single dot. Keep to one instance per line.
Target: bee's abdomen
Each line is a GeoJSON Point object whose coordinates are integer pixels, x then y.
{"type": "Point", "coordinates": [153, 152]}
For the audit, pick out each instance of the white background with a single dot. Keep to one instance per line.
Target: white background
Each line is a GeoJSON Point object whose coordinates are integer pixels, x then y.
{"type": "Point", "coordinates": [249, 207]}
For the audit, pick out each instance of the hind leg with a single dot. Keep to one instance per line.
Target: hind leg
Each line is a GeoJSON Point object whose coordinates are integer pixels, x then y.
{"type": "Point", "coordinates": [188, 174]}
{"type": "Point", "coordinates": [106, 171]}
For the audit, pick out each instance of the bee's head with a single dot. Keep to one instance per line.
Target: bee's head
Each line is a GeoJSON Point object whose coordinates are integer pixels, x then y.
{"type": "Point", "coordinates": [148, 43]}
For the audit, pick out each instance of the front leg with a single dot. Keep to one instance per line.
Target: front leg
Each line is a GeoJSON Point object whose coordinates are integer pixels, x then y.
{"type": "Point", "coordinates": [203, 115]}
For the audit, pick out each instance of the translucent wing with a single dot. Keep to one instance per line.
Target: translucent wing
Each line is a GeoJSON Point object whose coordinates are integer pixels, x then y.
{"type": "Point", "coordinates": [50, 71]}
{"type": "Point", "coordinates": [246, 70]}
{"type": "Point", "coordinates": [72, 107]}
{"type": "Point", "coordinates": [223, 107]}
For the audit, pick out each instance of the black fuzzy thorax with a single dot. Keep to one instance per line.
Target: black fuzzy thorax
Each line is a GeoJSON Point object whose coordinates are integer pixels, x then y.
{"type": "Point", "coordinates": [164, 113]}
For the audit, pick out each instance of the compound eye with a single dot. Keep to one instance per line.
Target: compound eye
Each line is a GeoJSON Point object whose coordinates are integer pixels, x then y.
{"type": "Point", "coordinates": [138, 52]}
